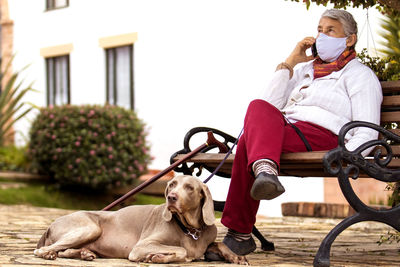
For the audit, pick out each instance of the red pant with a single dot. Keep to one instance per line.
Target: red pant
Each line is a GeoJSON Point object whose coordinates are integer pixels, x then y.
{"type": "Point", "coordinates": [266, 135]}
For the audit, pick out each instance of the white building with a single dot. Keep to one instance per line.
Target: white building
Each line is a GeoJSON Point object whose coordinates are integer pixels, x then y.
{"type": "Point", "coordinates": [192, 62]}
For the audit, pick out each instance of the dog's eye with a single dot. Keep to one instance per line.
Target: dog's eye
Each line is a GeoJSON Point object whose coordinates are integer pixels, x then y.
{"type": "Point", "coordinates": [189, 187]}
{"type": "Point", "coordinates": [172, 184]}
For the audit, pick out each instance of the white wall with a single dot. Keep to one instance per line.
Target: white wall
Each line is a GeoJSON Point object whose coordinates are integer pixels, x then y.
{"type": "Point", "coordinates": [197, 62]}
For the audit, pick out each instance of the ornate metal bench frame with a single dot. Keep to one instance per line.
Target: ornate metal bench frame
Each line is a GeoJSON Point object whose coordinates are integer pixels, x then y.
{"type": "Point", "coordinates": [338, 162]}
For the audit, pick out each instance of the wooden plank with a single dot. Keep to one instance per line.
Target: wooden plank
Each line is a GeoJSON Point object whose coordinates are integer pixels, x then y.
{"type": "Point", "coordinates": [393, 116]}
{"type": "Point", "coordinates": [391, 101]}
{"type": "Point", "coordinates": [395, 131]}
{"type": "Point", "coordinates": [390, 86]}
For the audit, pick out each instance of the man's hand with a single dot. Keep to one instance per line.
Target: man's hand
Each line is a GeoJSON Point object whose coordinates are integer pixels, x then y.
{"type": "Point", "coordinates": [299, 53]}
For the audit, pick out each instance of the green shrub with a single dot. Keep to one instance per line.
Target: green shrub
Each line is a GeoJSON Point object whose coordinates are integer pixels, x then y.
{"type": "Point", "coordinates": [92, 146]}
{"type": "Point", "coordinates": [385, 68]}
{"type": "Point", "coordinates": [13, 159]}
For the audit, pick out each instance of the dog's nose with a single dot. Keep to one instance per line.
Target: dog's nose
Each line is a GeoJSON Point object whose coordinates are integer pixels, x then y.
{"type": "Point", "coordinates": [172, 197]}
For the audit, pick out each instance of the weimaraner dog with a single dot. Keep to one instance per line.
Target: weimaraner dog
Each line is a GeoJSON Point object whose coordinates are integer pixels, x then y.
{"type": "Point", "coordinates": [180, 230]}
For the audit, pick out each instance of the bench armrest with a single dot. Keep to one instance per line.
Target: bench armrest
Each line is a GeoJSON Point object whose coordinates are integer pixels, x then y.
{"type": "Point", "coordinates": [184, 168]}
{"type": "Point", "coordinates": [342, 161]}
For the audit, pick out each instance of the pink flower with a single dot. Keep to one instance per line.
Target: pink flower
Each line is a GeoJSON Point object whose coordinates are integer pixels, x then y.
{"type": "Point", "coordinates": [78, 160]}
{"type": "Point", "coordinates": [108, 136]}
{"type": "Point", "coordinates": [109, 149]}
{"type": "Point", "coordinates": [110, 156]}
{"type": "Point", "coordinates": [51, 116]}
{"type": "Point", "coordinates": [77, 143]}
{"type": "Point", "coordinates": [117, 170]}
{"type": "Point", "coordinates": [70, 166]}
{"type": "Point", "coordinates": [113, 133]}
{"type": "Point", "coordinates": [53, 137]}
{"type": "Point", "coordinates": [59, 150]}
{"type": "Point", "coordinates": [92, 152]}
{"type": "Point", "coordinates": [51, 106]}
{"type": "Point", "coordinates": [95, 134]}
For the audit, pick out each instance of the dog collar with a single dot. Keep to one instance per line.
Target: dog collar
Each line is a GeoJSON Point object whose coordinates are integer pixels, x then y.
{"type": "Point", "coordinates": [192, 232]}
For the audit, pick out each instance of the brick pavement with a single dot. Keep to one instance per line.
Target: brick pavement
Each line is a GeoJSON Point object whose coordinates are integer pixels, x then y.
{"type": "Point", "coordinates": [296, 240]}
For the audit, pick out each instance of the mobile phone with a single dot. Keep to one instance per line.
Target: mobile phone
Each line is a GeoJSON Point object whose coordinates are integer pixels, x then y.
{"type": "Point", "coordinates": [314, 50]}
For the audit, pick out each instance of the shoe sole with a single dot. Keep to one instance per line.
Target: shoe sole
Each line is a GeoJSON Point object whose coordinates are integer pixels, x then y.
{"type": "Point", "coordinates": [240, 247]}
{"type": "Point", "coordinates": [262, 189]}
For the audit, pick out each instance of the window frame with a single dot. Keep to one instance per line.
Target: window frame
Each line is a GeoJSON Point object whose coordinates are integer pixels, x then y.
{"type": "Point", "coordinates": [54, 93]}
{"type": "Point", "coordinates": [51, 5]}
{"type": "Point", "coordinates": [114, 69]}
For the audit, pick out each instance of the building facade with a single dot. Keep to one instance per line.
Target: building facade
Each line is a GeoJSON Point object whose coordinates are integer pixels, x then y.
{"type": "Point", "coordinates": [179, 64]}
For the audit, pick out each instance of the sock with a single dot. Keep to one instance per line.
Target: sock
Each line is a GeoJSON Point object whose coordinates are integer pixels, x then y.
{"type": "Point", "coordinates": [264, 165]}
{"type": "Point", "coordinates": [238, 236]}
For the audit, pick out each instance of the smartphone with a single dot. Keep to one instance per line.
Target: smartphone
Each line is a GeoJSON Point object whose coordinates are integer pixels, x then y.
{"type": "Point", "coordinates": [314, 50]}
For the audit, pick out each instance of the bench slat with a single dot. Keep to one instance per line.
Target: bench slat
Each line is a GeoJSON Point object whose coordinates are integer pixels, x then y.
{"type": "Point", "coordinates": [391, 101]}
{"type": "Point", "coordinates": [389, 87]}
{"type": "Point", "coordinates": [392, 116]}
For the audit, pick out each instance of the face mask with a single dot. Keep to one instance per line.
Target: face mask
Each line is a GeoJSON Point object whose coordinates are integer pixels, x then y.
{"type": "Point", "coordinates": [330, 48]}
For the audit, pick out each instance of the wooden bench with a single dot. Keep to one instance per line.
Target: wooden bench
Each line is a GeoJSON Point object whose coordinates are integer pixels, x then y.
{"type": "Point", "coordinates": [382, 164]}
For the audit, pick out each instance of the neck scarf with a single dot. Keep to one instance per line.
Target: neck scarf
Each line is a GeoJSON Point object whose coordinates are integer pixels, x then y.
{"type": "Point", "coordinates": [322, 69]}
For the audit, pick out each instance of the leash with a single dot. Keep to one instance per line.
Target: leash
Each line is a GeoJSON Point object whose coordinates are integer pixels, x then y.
{"type": "Point", "coordinates": [299, 133]}
{"type": "Point", "coordinates": [225, 158]}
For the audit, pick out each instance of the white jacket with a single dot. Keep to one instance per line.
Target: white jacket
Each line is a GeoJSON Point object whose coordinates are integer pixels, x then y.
{"type": "Point", "coordinates": [353, 93]}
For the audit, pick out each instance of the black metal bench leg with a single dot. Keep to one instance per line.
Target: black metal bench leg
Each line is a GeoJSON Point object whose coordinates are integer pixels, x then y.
{"type": "Point", "coordinates": [322, 258]}
{"type": "Point", "coordinates": [265, 244]}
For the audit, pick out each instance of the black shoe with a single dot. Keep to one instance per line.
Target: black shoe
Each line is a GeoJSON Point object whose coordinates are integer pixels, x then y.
{"type": "Point", "coordinates": [266, 186]}
{"type": "Point", "coordinates": [240, 247]}
{"type": "Point", "coordinates": [212, 256]}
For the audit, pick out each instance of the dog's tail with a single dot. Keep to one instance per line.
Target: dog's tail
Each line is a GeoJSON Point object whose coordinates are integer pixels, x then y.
{"type": "Point", "coordinates": [42, 240]}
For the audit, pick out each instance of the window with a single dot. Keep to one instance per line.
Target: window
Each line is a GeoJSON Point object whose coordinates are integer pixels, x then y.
{"type": "Point", "coordinates": [57, 70]}
{"type": "Point", "coordinates": [54, 4]}
{"type": "Point", "coordinates": [119, 76]}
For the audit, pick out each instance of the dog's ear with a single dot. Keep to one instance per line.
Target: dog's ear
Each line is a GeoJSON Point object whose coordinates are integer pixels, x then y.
{"type": "Point", "coordinates": [166, 215]}
{"type": "Point", "coordinates": [208, 207]}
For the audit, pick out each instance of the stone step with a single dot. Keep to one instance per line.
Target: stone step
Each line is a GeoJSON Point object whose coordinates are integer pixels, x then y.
{"type": "Point", "coordinates": [320, 209]}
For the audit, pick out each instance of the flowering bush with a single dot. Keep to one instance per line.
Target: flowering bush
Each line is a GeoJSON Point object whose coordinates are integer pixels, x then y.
{"type": "Point", "coordinates": [93, 146]}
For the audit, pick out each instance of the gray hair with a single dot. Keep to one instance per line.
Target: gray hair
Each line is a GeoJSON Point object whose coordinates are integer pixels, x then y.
{"type": "Point", "coordinates": [345, 18]}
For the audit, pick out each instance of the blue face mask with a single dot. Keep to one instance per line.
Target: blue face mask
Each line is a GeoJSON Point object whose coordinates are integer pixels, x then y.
{"type": "Point", "coordinates": [330, 48]}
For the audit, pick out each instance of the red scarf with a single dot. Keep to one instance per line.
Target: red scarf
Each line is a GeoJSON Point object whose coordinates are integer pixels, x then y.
{"type": "Point", "coordinates": [322, 69]}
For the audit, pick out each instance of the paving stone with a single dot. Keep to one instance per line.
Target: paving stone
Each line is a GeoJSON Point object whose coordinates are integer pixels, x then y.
{"type": "Point", "coordinates": [296, 240]}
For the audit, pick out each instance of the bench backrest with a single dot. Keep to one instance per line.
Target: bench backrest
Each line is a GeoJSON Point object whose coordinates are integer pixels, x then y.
{"type": "Point", "coordinates": [390, 112]}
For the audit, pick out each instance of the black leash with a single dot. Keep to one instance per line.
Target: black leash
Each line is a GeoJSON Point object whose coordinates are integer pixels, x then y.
{"type": "Point", "coordinates": [300, 134]}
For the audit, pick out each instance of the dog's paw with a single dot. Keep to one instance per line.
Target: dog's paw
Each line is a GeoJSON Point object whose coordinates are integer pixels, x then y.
{"type": "Point", "coordinates": [159, 257]}
{"type": "Point", "coordinates": [87, 255]}
{"type": "Point", "coordinates": [48, 255]}
{"type": "Point", "coordinates": [242, 260]}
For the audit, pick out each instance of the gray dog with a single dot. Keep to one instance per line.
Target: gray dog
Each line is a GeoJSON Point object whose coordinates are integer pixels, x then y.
{"type": "Point", "coordinates": [181, 230]}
